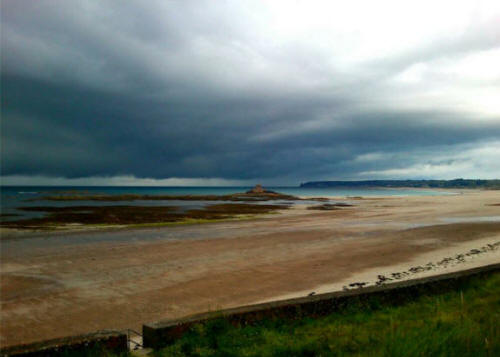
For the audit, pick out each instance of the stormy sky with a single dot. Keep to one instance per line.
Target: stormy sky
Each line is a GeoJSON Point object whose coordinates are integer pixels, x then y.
{"type": "Point", "coordinates": [235, 92]}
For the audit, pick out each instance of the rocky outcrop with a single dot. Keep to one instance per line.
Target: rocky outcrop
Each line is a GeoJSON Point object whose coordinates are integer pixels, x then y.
{"type": "Point", "coordinates": [259, 190]}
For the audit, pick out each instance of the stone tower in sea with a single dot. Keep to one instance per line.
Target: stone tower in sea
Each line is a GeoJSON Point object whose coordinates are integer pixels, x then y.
{"type": "Point", "coordinates": [257, 189]}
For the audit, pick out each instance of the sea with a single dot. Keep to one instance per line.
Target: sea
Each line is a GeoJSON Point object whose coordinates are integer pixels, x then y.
{"type": "Point", "coordinates": [13, 198]}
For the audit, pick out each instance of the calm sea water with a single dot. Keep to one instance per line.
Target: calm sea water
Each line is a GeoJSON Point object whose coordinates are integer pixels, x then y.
{"type": "Point", "coordinates": [13, 197]}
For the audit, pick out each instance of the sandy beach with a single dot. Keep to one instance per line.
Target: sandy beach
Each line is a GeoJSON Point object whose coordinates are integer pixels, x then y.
{"type": "Point", "coordinates": [68, 283]}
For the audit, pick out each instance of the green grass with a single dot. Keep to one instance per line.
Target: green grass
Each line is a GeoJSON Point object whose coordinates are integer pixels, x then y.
{"type": "Point", "coordinates": [464, 322]}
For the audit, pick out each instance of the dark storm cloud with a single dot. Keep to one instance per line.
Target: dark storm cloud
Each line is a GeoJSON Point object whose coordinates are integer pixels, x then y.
{"type": "Point", "coordinates": [190, 89]}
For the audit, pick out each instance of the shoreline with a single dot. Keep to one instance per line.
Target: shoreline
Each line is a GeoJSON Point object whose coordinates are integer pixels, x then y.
{"type": "Point", "coordinates": [7, 233]}
{"type": "Point", "coordinates": [75, 282]}
{"type": "Point", "coordinates": [68, 218]}
{"type": "Point", "coordinates": [443, 191]}
{"type": "Point", "coordinates": [407, 270]}
{"type": "Point", "coordinates": [23, 232]}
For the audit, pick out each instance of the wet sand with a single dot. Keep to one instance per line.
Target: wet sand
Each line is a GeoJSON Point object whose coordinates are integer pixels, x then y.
{"type": "Point", "coordinates": [59, 284]}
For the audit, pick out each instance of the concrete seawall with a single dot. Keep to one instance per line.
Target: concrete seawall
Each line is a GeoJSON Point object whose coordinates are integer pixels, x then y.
{"type": "Point", "coordinates": [112, 341]}
{"type": "Point", "coordinates": [165, 332]}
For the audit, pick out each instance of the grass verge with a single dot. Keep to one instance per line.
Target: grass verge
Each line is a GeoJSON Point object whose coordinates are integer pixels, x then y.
{"type": "Point", "coordinates": [463, 322]}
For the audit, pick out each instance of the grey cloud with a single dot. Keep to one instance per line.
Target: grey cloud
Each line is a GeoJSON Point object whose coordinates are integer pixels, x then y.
{"type": "Point", "coordinates": [190, 89]}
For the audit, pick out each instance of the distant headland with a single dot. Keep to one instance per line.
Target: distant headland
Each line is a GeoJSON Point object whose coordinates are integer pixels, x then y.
{"type": "Point", "coordinates": [456, 183]}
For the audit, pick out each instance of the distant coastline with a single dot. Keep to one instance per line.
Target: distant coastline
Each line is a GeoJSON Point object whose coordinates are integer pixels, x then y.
{"type": "Point", "coordinates": [456, 183]}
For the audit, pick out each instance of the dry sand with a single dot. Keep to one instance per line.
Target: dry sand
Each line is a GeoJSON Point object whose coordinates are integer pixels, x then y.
{"type": "Point", "coordinates": [62, 284]}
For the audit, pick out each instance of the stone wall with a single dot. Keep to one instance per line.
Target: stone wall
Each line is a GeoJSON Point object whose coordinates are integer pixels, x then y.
{"type": "Point", "coordinates": [113, 341]}
{"type": "Point", "coordinates": [162, 333]}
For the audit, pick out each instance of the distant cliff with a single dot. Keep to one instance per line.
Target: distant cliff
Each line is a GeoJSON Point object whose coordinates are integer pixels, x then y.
{"type": "Point", "coordinates": [456, 183]}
